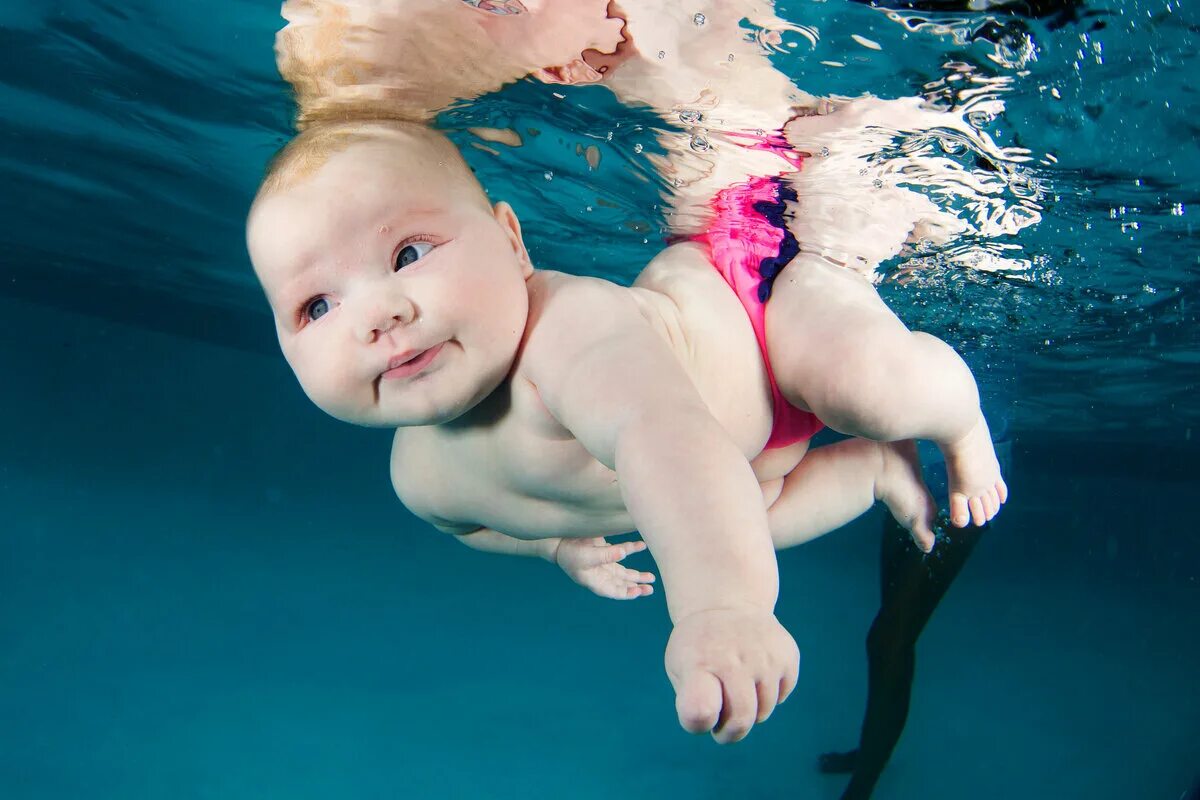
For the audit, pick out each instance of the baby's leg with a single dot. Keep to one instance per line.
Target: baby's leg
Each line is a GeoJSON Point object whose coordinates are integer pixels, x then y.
{"type": "Point", "coordinates": [836, 483]}
{"type": "Point", "coordinates": [838, 351]}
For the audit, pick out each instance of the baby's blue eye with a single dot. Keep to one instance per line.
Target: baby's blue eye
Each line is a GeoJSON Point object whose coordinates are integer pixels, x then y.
{"type": "Point", "coordinates": [411, 252]}
{"type": "Point", "coordinates": [316, 309]}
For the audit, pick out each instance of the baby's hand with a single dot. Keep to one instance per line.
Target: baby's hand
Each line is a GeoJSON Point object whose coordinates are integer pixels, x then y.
{"type": "Point", "coordinates": [593, 563]}
{"type": "Point", "coordinates": [730, 667]}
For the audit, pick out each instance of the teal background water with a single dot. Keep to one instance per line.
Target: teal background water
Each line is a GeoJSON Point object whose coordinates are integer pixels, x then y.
{"type": "Point", "coordinates": [207, 589]}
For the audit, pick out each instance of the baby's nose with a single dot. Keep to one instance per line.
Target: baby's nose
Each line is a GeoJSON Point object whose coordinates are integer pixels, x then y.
{"type": "Point", "coordinates": [382, 315]}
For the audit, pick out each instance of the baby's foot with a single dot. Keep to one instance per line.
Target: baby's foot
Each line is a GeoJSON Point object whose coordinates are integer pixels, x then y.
{"type": "Point", "coordinates": [900, 487]}
{"type": "Point", "coordinates": [977, 489]}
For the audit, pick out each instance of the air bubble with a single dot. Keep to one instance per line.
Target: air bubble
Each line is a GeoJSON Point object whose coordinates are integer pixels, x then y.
{"type": "Point", "coordinates": [877, 183]}
{"type": "Point", "coordinates": [699, 20]}
{"type": "Point", "coordinates": [823, 152]}
{"type": "Point", "coordinates": [548, 175]}
{"type": "Point", "coordinates": [637, 148]}
{"type": "Point", "coordinates": [1023, 184]}
{"type": "Point", "coordinates": [729, 57]}
{"type": "Point", "coordinates": [662, 54]}
{"type": "Point", "coordinates": [699, 144]}
{"type": "Point", "coordinates": [690, 116]}
{"type": "Point", "coordinates": [979, 118]}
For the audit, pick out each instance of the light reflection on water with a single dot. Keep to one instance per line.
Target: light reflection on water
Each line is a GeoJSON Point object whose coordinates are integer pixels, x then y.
{"type": "Point", "coordinates": [1071, 161]}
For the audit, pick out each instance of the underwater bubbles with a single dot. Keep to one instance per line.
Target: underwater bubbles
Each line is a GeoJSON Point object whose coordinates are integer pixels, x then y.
{"type": "Point", "coordinates": [979, 118]}
{"type": "Point", "coordinates": [1024, 183]}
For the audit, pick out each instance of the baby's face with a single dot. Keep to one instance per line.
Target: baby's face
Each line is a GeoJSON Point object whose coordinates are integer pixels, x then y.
{"type": "Point", "coordinates": [399, 296]}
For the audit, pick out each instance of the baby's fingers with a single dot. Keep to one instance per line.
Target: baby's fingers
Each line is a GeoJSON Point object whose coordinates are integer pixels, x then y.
{"type": "Point", "coordinates": [635, 590]}
{"type": "Point", "coordinates": [739, 710]}
{"type": "Point", "coordinates": [633, 576]}
{"type": "Point", "coordinates": [698, 701]}
{"type": "Point", "coordinates": [768, 698]}
{"type": "Point", "coordinates": [618, 552]}
{"type": "Point", "coordinates": [626, 584]}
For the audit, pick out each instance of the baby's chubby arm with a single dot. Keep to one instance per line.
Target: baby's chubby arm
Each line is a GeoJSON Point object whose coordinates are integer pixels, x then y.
{"type": "Point", "coordinates": [490, 541]}
{"type": "Point", "coordinates": [605, 374]}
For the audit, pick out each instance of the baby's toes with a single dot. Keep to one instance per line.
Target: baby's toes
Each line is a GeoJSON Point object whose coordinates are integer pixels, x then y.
{"type": "Point", "coordinates": [976, 506]}
{"type": "Point", "coordinates": [1002, 491]}
{"type": "Point", "coordinates": [960, 514]}
{"type": "Point", "coordinates": [990, 504]}
{"type": "Point", "coordinates": [994, 502]}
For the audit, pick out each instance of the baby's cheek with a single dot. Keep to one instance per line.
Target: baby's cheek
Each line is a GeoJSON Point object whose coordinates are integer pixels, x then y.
{"type": "Point", "coordinates": [318, 378]}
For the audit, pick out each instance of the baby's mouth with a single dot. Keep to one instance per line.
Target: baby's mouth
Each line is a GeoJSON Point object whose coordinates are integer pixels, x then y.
{"type": "Point", "coordinates": [410, 363]}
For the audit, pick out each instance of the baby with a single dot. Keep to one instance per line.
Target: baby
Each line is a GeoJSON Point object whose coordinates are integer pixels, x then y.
{"type": "Point", "coordinates": [531, 406]}
{"type": "Point", "coordinates": [534, 410]}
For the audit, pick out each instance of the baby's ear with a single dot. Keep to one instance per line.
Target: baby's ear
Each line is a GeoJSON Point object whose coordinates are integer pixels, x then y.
{"type": "Point", "coordinates": [575, 71]}
{"type": "Point", "coordinates": [512, 228]}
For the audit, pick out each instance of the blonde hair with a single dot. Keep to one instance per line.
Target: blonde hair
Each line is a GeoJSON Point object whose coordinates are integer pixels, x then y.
{"type": "Point", "coordinates": [374, 72]}
{"type": "Point", "coordinates": [312, 148]}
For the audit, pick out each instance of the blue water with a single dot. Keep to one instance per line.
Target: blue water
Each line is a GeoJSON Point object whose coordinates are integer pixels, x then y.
{"type": "Point", "coordinates": [207, 589]}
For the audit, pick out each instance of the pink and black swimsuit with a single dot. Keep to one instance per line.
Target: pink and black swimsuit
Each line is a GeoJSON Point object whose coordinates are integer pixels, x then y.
{"type": "Point", "coordinates": [749, 244]}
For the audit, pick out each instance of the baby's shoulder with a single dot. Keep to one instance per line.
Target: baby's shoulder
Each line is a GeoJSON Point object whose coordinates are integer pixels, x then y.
{"type": "Point", "coordinates": [554, 296]}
